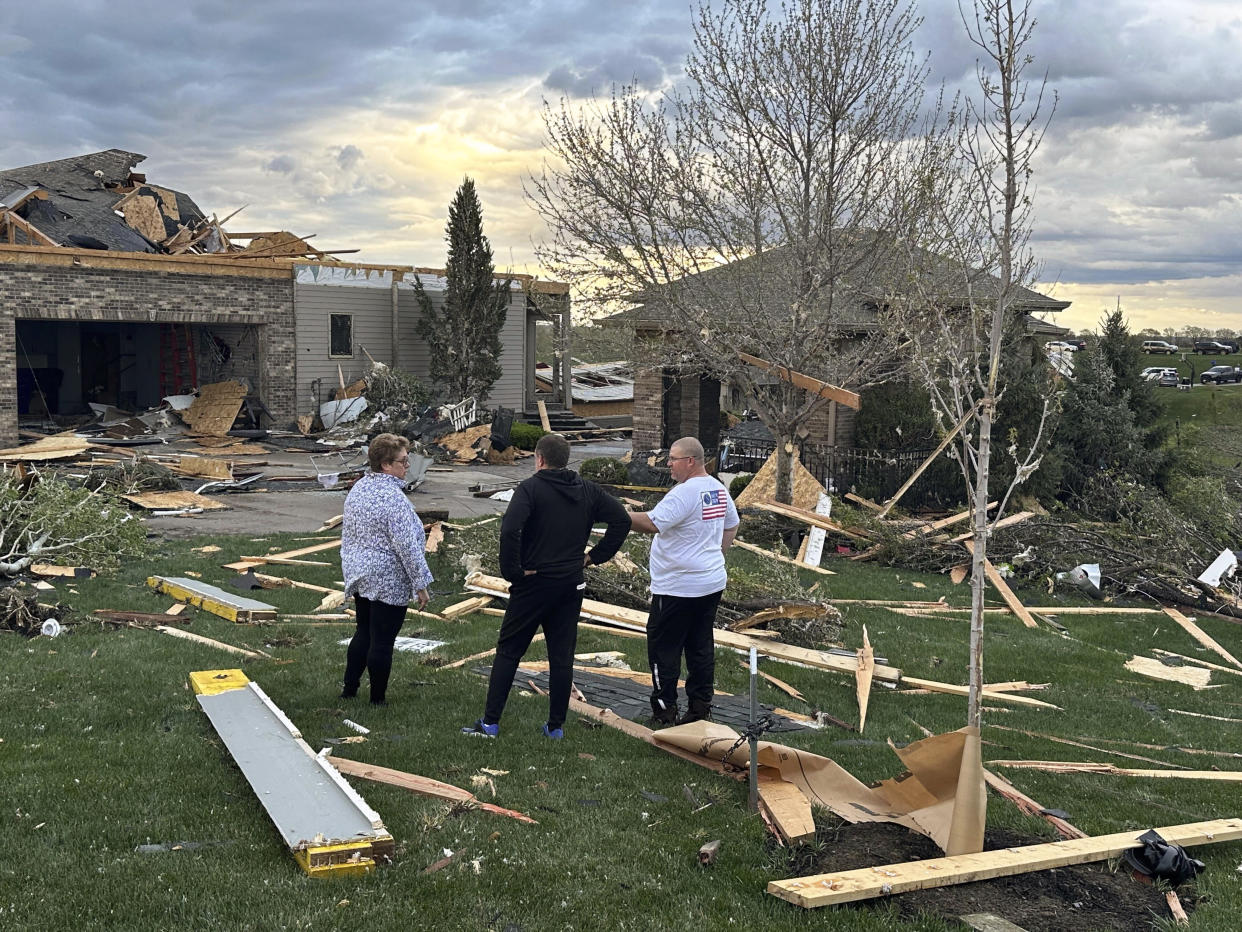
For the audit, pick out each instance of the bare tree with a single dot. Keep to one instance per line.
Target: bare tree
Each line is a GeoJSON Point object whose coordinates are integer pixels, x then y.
{"type": "Point", "coordinates": [758, 210]}
{"type": "Point", "coordinates": [976, 261]}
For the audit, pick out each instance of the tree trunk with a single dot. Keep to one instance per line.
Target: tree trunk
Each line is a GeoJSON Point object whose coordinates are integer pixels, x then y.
{"type": "Point", "coordinates": [784, 469]}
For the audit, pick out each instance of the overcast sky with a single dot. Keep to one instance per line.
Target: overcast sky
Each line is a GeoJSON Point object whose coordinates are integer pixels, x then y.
{"type": "Point", "coordinates": [357, 121]}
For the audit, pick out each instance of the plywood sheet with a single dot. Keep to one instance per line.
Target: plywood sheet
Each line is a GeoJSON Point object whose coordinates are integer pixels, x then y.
{"type": "Point", "coordinates": [216, 407]}
{"type": "Point", "coordinates": [56, 447]}
{"type": "Point", "coordinates": [806, 488]}
{"type": "Point", "coordinates": [170, 501]}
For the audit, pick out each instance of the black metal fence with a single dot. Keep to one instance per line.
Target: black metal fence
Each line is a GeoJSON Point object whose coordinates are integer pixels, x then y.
{"type": "Point", "coordinates": [874, 474]}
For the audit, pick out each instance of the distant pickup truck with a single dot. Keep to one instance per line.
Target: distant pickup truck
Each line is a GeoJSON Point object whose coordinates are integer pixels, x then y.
{"type": "Point", "coordinates": [1221, 374]}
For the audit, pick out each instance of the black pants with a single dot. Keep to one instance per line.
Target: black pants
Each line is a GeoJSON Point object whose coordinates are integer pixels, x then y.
{"type": "Point", "coordinates": [556, 605]}
{"type": "Point", "coordinates": [371, 646]}
{"type": "Point", "coordinates": [678, 625]}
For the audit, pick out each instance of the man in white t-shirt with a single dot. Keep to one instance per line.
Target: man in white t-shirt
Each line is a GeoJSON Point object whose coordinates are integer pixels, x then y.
{"type": "Point", "coordinates": [693, 524]}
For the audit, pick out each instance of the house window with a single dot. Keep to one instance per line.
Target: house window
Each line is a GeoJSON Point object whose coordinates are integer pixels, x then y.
{"type": "Point", "coordinates": [341, 335]}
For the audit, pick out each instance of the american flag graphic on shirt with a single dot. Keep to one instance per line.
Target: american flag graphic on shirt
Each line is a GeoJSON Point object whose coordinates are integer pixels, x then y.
{"type": "Point", "coordinates": [714, 504]}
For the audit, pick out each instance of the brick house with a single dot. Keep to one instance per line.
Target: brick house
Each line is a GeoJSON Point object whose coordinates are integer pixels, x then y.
{"type": "Point", "coordinates": [94, 308]}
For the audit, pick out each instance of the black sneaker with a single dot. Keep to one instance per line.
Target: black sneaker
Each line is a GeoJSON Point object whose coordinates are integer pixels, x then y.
{"type": "Point", "coordinates": [691, 716]}
{"type": "Point", "coordinates": [480, 729]}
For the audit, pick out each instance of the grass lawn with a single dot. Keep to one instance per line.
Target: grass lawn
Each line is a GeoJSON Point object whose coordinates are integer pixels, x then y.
{"type": "Point", "coordinates": [104, 748]}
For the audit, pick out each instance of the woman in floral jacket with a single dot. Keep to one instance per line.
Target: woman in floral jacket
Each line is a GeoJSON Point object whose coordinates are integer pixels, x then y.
{"type": "Point", "coordinates": [384, 562]}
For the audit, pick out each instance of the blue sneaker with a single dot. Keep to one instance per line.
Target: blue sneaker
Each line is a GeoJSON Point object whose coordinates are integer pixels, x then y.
{"type": "Point", "coordinates": [556, 734]}
{"type": "Point", "coordinates": [480, 729]}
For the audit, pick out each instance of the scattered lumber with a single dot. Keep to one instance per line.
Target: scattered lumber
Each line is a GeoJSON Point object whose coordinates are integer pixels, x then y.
{"type": "Point", "coordinates": [787, 807]}
{"type": "Point", "coordinates": [1029, 806]}
{"type": "Point", "coordinates": [1055, 766]}
{"type": "Point", "coordinates": [866, 668]}
{"type": "Point", "coordinates": [1007, 521]}
{"type": "Point", "coordinates": [1196, 660]}
{"type": "Point", "coordinates": [543, 416]}
{"type": "Point", "coordinates": [215, 409]}
{"type": "Point", "coordinates": [1200, 635]}
{"type": "Point", "coordinates": [1196, 677]}
{"type": "Point", "coordinates": [172, 501]}
{"type": "Point", "coordinates": [1098, 750]}
{"type": "Point", "coordinates": [847, 886]}
{"type": "Point", "coordinates": [209, 642]}
{"type": "Point", "coordinates": [751, 548]}
{"type": "Point", "coordinates": [637, 621]}
{"type": "Point", "coordinates": [56, 447]}
{"type": "Point", "coordinates": [134, 619]}
{"type": "Point", "coordinates": [953, 690]}
{"type": "Point", "coordinates": [945, 441]}
{"type": "Point", "coordinates": [284, 561]}
{"type": "Point", "coordinates": [481, 655]}
{"type": "Point", "coordinates": [944, 522]}
{"type": "Point", "coordinates": [49, 569]}
{"type": "Point", "coordinates": [779, 684]}
{"type": "Point", "coordinates": [805, 489]}
{"type": "Point", "coordinates": [203, 467]}
{"type": "Point", "coordinates": [811, 518]}
{"type": "Point", "coordinates": [999, 584]}
{"type": "Point", "coordinates": [466, 607]}
{"type": "Point", "coordinates": [423, 786]}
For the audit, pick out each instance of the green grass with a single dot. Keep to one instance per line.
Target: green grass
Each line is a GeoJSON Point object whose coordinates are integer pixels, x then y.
{"type": "Point", "coordinates": [104, 748]}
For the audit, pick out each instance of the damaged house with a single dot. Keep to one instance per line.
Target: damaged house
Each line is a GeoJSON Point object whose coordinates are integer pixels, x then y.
{"type": "Point", "coordinates": [117, 291]}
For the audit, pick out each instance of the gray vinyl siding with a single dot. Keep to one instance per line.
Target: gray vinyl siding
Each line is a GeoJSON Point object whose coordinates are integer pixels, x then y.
{"type": "Point", "coordinates": [371, 309]}
{"type": "Point", "coordinates": [413, 354]}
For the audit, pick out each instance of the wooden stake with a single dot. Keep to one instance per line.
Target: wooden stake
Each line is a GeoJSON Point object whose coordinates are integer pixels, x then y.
{"type": "Point", "coordinates": [948, 438]}
{"type": "Point", "coordinates": [1200, 635]}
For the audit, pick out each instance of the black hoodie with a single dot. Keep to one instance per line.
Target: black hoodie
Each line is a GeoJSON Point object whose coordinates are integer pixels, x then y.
{"type": "Point", "coordinates": [548, 523]}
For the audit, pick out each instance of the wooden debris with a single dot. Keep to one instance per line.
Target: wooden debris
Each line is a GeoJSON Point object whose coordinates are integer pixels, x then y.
{"type": "Point", "coordinates": [466, 607]}
{"type": "Point", "coordinates": [986, 922]}
{"type": "Point", "coordinates": [283, 561]}
{"type": "Point", "coordinates": [784, 610]}
{"type": "Point", "coordinates": [481, 655]}
{"type": "Point", "coordinates": [330, 601]}
{"type": "Point", "coordinates": [203, 466]}
{"type": "Point", "coordinates": [1029, 806]}
{"type": "Point", "coordinates": [55, 447]}
{"type": "Point", "coordinates": [1007, 521]}
{"type": "Point", "coordinates": [948, 437]}
{"type": "Point", "coordinates": [787, 807]}
{"type": "Point", "coordinates": [423, 786]}
{"type": "Point", "coordinates": [865, 883]}
{"type": "Point", "coordinates": [779, 684]}
{"type": "Point", "coordinates": [1198, 677]}
{"type": "Point", "coordinates": [815, 386]}
{"type": "Point", "coordinates": [543, 416]}
{"type": "Point", "coordinates": [958, 574]}
{"type": "Point", "coordinates": [943, 522]}
{"type": "Point", "coordinates": [209, 642]}
{"type": "Point", "coordinates": [1054, 766]}
{"type": "Point", "coordinates": [805, 491]}
{"type": "Point", "coordinates": [215, 409]}
{"type": "Point", "coordinates": [330, 523]}
{"type": "Point", "coordinates": [708, 852]}
{"type": "Point", "coordinates": [1175, 908]}
{"type": "Point", "coordinates": [213, 599]}
{"type": "Point", "coordinates": [175, 610]}
{"type": "Point", "coordinates": [50, 569]}
{"type": "Point", "coordinates": [172, 501]}
{"type": "Point", "coordinates": [999, 584]}
{"type": "Point", "coordinates": [1196, 660]}
{"type": "Point", "coordinates": [1200, 635]}
{"type": "Point", "coordinates": [811, 518]}
{"type": "Point", "coordinates": [781, 558]}
{"type": "Point", "coordinates": [1091, 747]}
{"type": "Point", "coordinates": [435, 537]}
{"type": "Point", "coordinates": [954, 690]}
{"type": "Point", "coordinates": [866, 667]}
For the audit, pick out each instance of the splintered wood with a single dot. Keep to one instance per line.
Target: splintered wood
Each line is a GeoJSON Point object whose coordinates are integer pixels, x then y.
{"type": "Point", "coordinates": [56, 447]}
{"type": "Point", "coordinates": [215, 409]}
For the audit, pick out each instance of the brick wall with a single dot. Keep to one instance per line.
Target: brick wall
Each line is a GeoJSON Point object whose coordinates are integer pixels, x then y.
{"type": "Point", "coordinates": [648, 409]}
{"type": "Point", "coordinates": [93, 294]}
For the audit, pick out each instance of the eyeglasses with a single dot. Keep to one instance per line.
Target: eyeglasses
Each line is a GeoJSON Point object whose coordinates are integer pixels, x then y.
{"type": "Point", "coordinates": [673, 459]}
{"type": "Point", "coordinates": [402, 462]}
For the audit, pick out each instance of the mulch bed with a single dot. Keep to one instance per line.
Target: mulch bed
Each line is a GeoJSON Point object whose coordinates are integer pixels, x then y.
{"type": "Point", "coordinates": [1068, 899]}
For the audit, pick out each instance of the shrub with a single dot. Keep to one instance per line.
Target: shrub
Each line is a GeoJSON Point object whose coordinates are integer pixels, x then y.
{"type": "Point", "coordinates": [605, 469]}
{"type": "Point", "coordinates": [738, 485]}
{"type": "Point", "coordinates": [525, 436]}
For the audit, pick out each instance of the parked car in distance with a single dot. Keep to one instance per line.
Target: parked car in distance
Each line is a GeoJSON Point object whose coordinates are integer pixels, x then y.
{"type": "Point", "coordinates": [1060, 346]}
{"type": "Point", "coordinates": [1152, 373]}
{"type": "Point", "coordinates": [1212, 348]}
{"type": "Point", "coordinates": [1220, 374]}
{"type": "Point", "coordinates": [1168, 379]}
{"type": "Point", "coordinates": [1077, 344]}
{"type": "Point", "coordinates": [1159, 346]}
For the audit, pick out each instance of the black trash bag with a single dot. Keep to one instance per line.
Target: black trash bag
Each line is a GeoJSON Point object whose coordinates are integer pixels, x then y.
{"type": "Point", "coordinates": [1161, 860]}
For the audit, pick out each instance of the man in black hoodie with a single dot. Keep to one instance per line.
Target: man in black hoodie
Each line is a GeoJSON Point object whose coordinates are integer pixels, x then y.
{"type": "Point", "coordinates": [542, 537]}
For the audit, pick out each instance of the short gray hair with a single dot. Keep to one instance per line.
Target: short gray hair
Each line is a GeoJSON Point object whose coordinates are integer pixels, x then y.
{"type": "Point", "coordinates": [689, 446]}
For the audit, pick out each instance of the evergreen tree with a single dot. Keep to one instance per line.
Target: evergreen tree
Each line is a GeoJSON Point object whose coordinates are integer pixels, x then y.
{"type": "Point", "coordinates": [1121, 351]}
{"type": "Point", "coordinates": [463, 334]}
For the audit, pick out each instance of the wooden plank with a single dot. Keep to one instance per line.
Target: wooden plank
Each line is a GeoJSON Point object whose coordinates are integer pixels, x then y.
{"type": "Point", "coordinates": [859, 500]}
{"type": "Point", "coordinates": [954, 690]}
{"type": "Point", "coordinates": [751, 548]}
{"type": "Point", "coordinates": [213, 599]}
{"type": "Point", "coordinates": [284, 561]}
{"type": "Point", "coordinates": [815, 386]}
{"type": "Point", "coordinates": [1002, 786]}
{"type": "Point", "coordinates": [787, 806]}
{"type": "Point", "coordinates": [862, 678]}
{"type": "Point", "coordinates": [905, 487]}
{"type": "Point", "coordinates": [209, 642]}
{"type": "Point", "coordinates": [1195, 660]}
{"type": "Point", "coordinates": [51, 569]}
{"type": "Point", "coordinates": [811, 518]}
{"type": "Point", "coordinates": [313, 548]}
{"type": "Point", "coordinates": [865, 883]}
{"type": "Point", "coordinates": [481, 655]}
{"type": "Point", "coordinates": [779, 684]}
{"type": "Point", "coordinates": [1200, 635]}
{"type": "Point", "coordinates": [423, 786]}
{"type": "Point", "coordinates": [172, 501]}
{"type": "Point", "coordinates": [466, 607]}
{"type": "Point", "coordinates": [1056, 766]}
{"type": "Point", "coordinates": [1198, 677]}
{"type": "Point", "coordinates": [1002, 588]}
{"type": "Point", "coordinates": [943, 522]}
{"type": "Point", "coordinates": [1007, 521]}
{"type": "Point", "coordinates": [543, 416]}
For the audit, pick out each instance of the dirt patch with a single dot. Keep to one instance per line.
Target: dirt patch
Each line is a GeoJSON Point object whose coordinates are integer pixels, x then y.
{"type": "Point", "coordinates": [1068, 899]}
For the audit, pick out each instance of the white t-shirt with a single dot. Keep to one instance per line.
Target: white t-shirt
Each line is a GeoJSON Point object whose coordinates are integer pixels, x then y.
{"type": "Point", "coordinates": [686, 559]}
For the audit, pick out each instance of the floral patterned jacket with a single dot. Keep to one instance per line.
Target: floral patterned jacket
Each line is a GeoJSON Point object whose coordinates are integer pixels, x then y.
{"type": "Point", "coordinates": [382, 542]}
